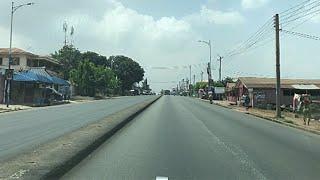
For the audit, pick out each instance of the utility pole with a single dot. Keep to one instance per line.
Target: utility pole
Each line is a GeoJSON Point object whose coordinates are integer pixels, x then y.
{"type": "Point", "coordinates": [190, 81]}
{"type": "Point", "coordinates": [10, 71]}
{"type": "Point", "coordinates": [209, 76]}
{"type": "Point", "coordinates": [201, 76]}
{"type": "Point", "coordinates": [220, 59]}
{"type": "Point", "coordinates": [210, 63]}
{"type": "Point", "coordinates": [194, 79]}
{"type": "Point", "coordinates": [190, 73]}
{"type": "Point", "coordinates": [278, 87]}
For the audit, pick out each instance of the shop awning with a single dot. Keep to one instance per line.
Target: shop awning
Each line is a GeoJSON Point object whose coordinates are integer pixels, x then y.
{"type": "Point", "coordinates": [22, 77]}
{"type": "Point", "coordinates": [38, 75]}
{"type": "Point", "coordinates": [59, 81]}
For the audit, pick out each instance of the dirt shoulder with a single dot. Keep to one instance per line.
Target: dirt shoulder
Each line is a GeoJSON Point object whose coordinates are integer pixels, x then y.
{"type": "Point", "coordinates": [288, 118]}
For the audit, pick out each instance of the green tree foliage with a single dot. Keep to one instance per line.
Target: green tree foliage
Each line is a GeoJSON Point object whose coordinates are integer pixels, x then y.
{"type": "Point", "coordinates": [95, 58]}
{"type": "Point", "coordinates": [91, 79]}
{"type": "Point", "coordinates": [218, 84]}
{"type": "Point", "coordinates": [84, 78]}
{"type": "Point", "coordinates": [227, 80]}
{"type": "Point", "coordinates": [69, 57]}
{"type": "Point", "coordinates": [201, 85]}
{"type": "Point", "coordinates": [127, 70]}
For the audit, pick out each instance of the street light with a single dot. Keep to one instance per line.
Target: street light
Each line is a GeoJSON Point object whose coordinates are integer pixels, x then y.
{"type": "Point", "coordinates": [210, 73]}
{"type": "Point", "coordinates": [13, 10]}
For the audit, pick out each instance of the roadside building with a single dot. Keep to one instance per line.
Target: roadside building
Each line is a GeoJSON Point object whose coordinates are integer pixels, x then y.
{"type": "Point", "coordinates": [262, 91]}
{"type": "Point", "coordinates": [34, 76]}
{"type": "Point", "coordinates": [23, 60]}
{"type": "Point", "coordinates": [231, 92]}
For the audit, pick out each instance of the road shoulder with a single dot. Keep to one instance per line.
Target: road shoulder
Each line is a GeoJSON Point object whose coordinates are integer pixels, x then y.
{"type": "Point", "coordinates": [284, 121]}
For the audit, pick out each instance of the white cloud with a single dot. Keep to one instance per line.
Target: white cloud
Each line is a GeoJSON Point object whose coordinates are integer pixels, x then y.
{"type": "Point", "coordinates": [220, 17]}
{"type": "Point", "coordinates": [206, 15]}
{"type": "Point", "coordinates": [251, 4]}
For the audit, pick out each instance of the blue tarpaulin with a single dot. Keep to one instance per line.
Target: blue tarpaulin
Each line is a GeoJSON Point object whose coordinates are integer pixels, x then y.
{"type": "Point", "coordinates": [59, 81]}
{"type": "Point", "coordinates": [39, 76]}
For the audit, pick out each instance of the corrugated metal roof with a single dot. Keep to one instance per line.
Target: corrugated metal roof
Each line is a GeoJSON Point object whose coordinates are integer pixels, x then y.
{"type": "Point", "coordinates": [38, 75]}
{"type": "Point", "coordinates": [256, 82]}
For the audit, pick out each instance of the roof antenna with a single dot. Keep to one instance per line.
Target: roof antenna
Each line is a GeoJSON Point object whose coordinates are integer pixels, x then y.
{"type": "Point", "coordinates": [65, 29]}
{"type": "Point", "coordinates": [71, 35]}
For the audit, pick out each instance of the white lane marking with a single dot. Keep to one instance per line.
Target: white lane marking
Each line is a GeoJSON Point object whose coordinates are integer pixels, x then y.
{"type": "Point", "coordinates": [236, 151]}
{"type": "Point", "coordinates": [161, 178]}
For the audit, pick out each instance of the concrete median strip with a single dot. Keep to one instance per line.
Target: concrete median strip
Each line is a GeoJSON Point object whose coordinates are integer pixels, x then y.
{"type": "Point", "coordinates": [53, 159]}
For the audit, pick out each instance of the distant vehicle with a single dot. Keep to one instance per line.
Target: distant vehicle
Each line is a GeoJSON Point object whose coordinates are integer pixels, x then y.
{"type": "Point", "coordinates": [166, 92]}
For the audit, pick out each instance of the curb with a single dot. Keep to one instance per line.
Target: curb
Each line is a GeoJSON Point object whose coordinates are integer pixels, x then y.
{"type": "Point", "coordinates": [273, 120]}
{"type": "Point", "coordinates": [52, 160]}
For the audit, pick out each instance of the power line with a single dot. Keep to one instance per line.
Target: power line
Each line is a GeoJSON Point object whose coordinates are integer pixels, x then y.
{"type": "Point", "coordinates": [304, 21]}
{"type": "Point", "coordinates": [301, 14]}
{"type": "Point", "coordinates": [302, 35]}
{"type": "Point", "coordinates": [298, 10]}
{"type": "Point", "coordinates": [291, 8]}
{"type": "Point", "coordinates": [260, 35]}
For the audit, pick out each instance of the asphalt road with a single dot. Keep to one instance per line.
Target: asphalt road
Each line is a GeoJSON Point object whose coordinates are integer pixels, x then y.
{"type": "Point", "coordinates": [184, 138]}
{"type": "Point", "coordinates": [24, 130]}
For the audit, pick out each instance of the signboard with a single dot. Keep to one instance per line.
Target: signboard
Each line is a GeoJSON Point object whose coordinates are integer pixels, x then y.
{"type": "Point", "coordinates": [9, 74]}
{"type": "Point", "coordinates": [219, 90]}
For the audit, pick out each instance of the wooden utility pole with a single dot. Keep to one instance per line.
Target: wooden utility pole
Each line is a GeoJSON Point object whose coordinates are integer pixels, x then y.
{"type": "Point", "coordinates": [194, 79]}
{"type": "Point", "coordinates": [278, 87]}
{"type": "Point", "coordinates": [190, 73]}
{"type": "Point", "coordinates": [190, 81]}
{"type": "Point", "coordinates": [220, 59]}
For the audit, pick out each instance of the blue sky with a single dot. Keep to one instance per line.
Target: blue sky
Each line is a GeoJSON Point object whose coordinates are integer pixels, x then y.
{"type": "Point", "coordinates": [162, 35]}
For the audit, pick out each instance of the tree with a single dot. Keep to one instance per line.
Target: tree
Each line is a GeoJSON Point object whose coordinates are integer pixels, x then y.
{"type": "Point", "coordinates": [200, 85]}
{"type": "Point", "coordinates": [106, 81]}
{"type": "Point", "coordinates": [218, 84]}
{"type": "Point", "coordinates": [95, 58]}
{"type": "Point", "coordinates": [84, 78]}
{"type": "Point", "coordinates": [69, 57]}
{"type": "Point", "coordinates": [91, 79]}
{"type": "Point", "coordinates": [227, 80]}
{"type": "Point", "coordinates": [127, 70]}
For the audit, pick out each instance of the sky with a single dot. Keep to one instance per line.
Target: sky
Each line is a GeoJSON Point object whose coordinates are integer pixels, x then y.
{"type": "Point", "coordinates": [162, 35]}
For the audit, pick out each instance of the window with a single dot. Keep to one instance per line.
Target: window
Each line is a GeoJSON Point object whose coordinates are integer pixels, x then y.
{"type": "Point", "coordinates": [16, 61]}
{"type": "Point", "coordinates": [1, 61]}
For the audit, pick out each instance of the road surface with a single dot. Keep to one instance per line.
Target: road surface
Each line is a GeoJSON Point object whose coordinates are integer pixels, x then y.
{"type": "Point", "coordinates": [24, 130]}
{"type": "Point", "coordinates": [184, 138]}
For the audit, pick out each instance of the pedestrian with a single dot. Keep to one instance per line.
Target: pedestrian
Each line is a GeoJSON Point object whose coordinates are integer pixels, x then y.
{"type": "Point", "coordinates": [306, 110]}
{"type": "Point", "coordinates": [247, 102]}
